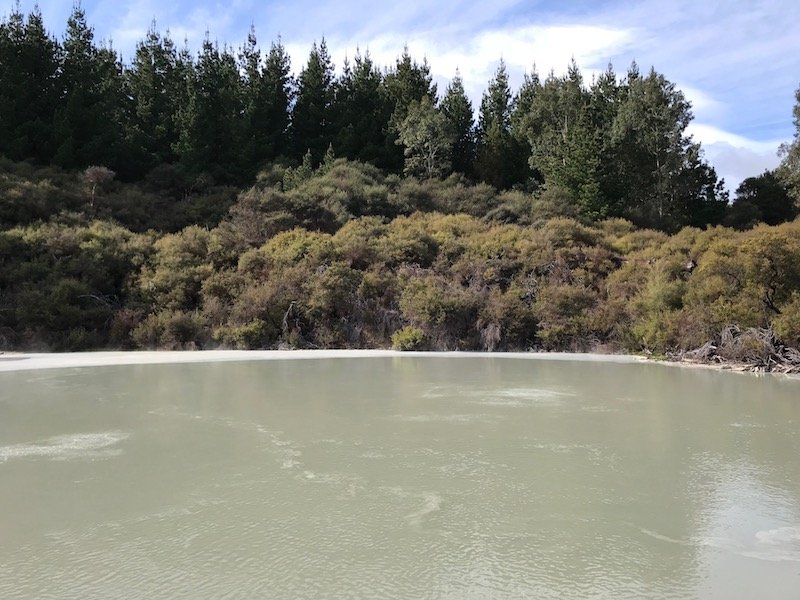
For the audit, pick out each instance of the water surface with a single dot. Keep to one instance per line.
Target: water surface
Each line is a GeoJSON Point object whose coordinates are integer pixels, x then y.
{"type": "Point", "coordinates": [399, 478]}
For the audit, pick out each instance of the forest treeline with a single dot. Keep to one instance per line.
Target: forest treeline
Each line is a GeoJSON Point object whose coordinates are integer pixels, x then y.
{"type": "Point", "coordinates": [215, 200]}
{"type": "Point", "coordinates": [617, 145]}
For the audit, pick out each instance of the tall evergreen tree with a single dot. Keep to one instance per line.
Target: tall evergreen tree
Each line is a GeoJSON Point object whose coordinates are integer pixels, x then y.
{"type": "Point", "coordinates": [272, 118]}
{"type": "Point", "coordinates": [211, 125]}
{"type": "Point", "coordinates": [28, 91]}
{"type": "Point", "coordinates": [155, 82]}
{"type": "Point", "coordinates": [457, 110]}
{"type": "Point", "coordinates": [496, 104]}
{"type": "Point", "coordinates": [90, 119]}
{"type": "Point", "coordinates": [267, 90]}
{"type": "Point", "coordinates": [497, 161]}
{"type": "Point", "coordinates": [522, 103]}
{"type": "Point", "coordinates": [666, 175]}
{"type": "Point", "coordinates": [605, 97]}
{"type": "Point", "coordinates": [312, 114]}
{"type": "Point", "coordinates": [563, 143]}
{"type": "Point", "coordinates": [253, 127]}
{"type": "Point", "coordinates": [360, 112]}
{"type": "Point", "coordinates": [406, 82]}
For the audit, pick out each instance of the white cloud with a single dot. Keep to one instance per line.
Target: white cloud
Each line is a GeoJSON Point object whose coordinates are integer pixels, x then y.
{"type": "Point", "coordinates": [709, 134]}
{"type": "Point", "coordinates": [703, 104]}
{"type": "Point", "coordinates": [476, 57]}
{"type": "Point", "coordinates": [735, 157]}
{"type": "Point", "coordinates": [735, 164]}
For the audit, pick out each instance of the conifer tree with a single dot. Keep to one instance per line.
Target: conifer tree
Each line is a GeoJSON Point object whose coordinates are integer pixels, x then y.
{"type": "Point", "coordinates": [496, 162]}
{"type": "Point", "coordinates": [91, 117]}
{"type": "Point", "coordinates": [360, 111]}
{"type": "Point", "coordinates": [211, 125]}
{"type": "Point", "coordinates": [562, 141]}
{"type": "Point", "coordinates": [267, 95]}
{"type": "Point", "coordinates": [522, 105]}
{"type": "Point", "coordinates": [663, 167]}
{"type": "Point", "coordinates": [406, 82]}
{"type": "Point", "coordinates": [312, 114]}
{"type": "Point", "coordinates": [277, 92]}
{"type": "Point", "coordinates": [457, 110]}
{"type": "Point", "coordinates": [155, 84]}
{"type": "Point", "coordinates": [605, 97]}
{"type": "Point", "coordinates": [28, 92]}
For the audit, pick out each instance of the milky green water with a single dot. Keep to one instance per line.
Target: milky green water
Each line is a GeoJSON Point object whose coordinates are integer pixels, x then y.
{"type": "Point", "coordinates": [399, 478]}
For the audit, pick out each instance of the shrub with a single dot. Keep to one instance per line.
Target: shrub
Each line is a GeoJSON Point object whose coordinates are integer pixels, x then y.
{"type": "Point", "coordinates": [787, 323]}
{"type": "Point", "coordinates": [171, 330]}
{"type": "Point", "coordinates": [408, 338]}
{"type": "Point", "coordinates": [251, 336]}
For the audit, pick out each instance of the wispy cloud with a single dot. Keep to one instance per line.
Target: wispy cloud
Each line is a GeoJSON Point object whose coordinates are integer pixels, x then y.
{"type": "Point", "coordinates": [477, 57]}
{"type": "Point", "coordinates": [735, 157]}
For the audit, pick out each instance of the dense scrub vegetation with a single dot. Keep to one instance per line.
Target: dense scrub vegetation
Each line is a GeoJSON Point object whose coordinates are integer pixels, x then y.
{"type": "Point", "coordinates": [348, 257]}
{"type": "Point", "coordinates": [195, 202]}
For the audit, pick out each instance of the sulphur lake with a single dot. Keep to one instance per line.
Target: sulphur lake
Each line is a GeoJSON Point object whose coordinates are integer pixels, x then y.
{"type": "Point", "coordinates": [399, 477]}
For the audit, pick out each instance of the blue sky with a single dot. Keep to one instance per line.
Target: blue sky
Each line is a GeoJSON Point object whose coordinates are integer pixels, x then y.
{"type": "Point", "coordinates": [737, 62]}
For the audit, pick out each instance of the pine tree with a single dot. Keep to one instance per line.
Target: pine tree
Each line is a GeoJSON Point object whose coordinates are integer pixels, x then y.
{"type": "Point", "coordinates": [267, 97]}
{"type": "Point", "coordinates": [668, 182]}
{"type": "Point", "coordinates": [496, 162]}
{"type": "Point", "coordinates": [90, 120]}
{"type": "Point", "coordinates": [254, 126]}
{"type": "Point", "coordinates": [562, 140]}
{"type": "Point", "coordinates": [605, 98]}
{"type": "Point", "coordinates": [155, 83]}
{"type": "Point", "coordinates": [457, 110]}
{"type": "Point", "coordinates": [312, 114]}
{"type": "Point", "coordinates": [496, 105]}
{"type": "Point", "coordinates": [277, 92]}
{"type": "Point", "coordinates": [522, 103]}
{"type": "Point", "coordinates": [649, 133]}
{"type": "Point", "coordinates": [360, 112]}
{"type": "Point", "coordinates": [211, 135]}
{"type": "Point", "coordinates": [407, 82]}
{"type": "Point", "coordinates": [28, 92]}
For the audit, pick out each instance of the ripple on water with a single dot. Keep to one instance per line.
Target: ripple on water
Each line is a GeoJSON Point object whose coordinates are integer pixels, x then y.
{"type": "Point", "coordinates": [431, 503]}
{"type": "Point", "coordinates": [68, 447]}
{"type": "Point", "coordinates": [445, 418]}
{"type": "Point", "coordinates": [510, 397]}
{"type": "Point", "coordinates": [771, 545]}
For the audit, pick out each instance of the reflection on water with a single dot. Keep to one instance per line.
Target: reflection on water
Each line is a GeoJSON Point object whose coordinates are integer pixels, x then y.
{"type": "Point", "coordinates": [399, 478]}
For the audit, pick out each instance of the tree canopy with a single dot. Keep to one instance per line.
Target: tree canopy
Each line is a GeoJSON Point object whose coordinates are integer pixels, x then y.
{"type": "Point", "coordinates": [185, 122]}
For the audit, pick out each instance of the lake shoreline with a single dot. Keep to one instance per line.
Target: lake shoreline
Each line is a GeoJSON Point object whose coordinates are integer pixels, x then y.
{"type": "Point", "coordinates": [25, 361]}
{"type": "Point", "coordinates": [28, 361]}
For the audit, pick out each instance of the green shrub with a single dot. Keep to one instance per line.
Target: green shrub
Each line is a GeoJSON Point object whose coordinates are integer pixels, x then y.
{"type": "Point", "coordinates": [408, 338]}
{"type": "Point", "coordinates": [787, 323]}
{"type": "Point", "coordinates": [254, 335]}
{"type": "Point", "coordinates": [172, 330]}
